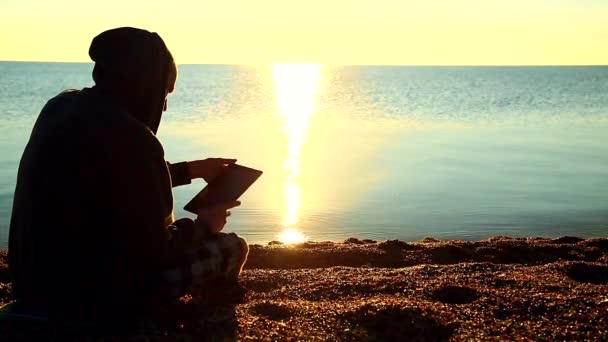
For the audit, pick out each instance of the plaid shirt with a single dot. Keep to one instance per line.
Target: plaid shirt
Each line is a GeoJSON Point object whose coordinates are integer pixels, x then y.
{"type": "Point", "coordinates": [223, 255]}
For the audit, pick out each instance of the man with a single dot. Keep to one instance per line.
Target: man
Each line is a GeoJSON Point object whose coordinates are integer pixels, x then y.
{"type": "Point", "coordinates": [92, 234]}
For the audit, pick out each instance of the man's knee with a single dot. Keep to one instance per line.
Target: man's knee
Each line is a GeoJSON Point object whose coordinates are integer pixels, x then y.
{"type": "Point", "coordinates": [236, 244]}
{"type": "Point", "coordinates": [244, 246]}
{"type": "Point", "coordinates": [237, 250]}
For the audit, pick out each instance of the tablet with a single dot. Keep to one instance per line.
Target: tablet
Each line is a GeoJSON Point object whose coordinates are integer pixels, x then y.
{"type": "Point", "coordinates": [228, 186]}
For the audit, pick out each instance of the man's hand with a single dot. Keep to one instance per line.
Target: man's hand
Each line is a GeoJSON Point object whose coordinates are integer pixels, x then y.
{"type": "Point", "coordinates": [214, 218]}
{"type": "Point", "coordinates": [209, 168]}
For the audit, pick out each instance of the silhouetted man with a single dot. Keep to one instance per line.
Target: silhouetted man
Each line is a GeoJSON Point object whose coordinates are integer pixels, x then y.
{"type": "Point", "coordinates": [92, 233]}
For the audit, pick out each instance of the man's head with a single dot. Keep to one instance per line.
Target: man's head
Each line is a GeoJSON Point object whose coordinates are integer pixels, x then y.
{"type": "Point", "coordinates": [136, 67]}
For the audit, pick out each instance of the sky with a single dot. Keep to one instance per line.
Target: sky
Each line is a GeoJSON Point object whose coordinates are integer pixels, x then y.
{"type": "Point", "coordinates": [337, 32]}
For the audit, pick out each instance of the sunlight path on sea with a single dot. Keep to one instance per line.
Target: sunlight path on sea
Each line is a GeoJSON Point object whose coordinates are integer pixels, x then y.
{"type": "Point", "coordinates": [296, 87]}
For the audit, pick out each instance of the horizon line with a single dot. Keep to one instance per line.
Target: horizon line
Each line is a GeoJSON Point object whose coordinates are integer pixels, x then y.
{"type": "Point", "coordinates": [339, 65]}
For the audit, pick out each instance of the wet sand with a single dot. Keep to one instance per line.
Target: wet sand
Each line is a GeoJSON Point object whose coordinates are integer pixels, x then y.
{"type": "Point", "coordinates": [497, 289]}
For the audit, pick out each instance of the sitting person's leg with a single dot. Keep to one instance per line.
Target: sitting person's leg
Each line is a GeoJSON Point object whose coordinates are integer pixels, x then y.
{"type": "Point", "coordinates": [235, 251]}
{"type": "Point", "coordinates": [221, 256]}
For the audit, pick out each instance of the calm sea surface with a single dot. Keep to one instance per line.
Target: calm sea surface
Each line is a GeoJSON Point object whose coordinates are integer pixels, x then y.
{"type": "Point", "coordinates": [372, 152]}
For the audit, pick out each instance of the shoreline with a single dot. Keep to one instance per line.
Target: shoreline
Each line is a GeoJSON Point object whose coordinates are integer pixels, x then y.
{"type": "Point", "coordinates": [494, 289]}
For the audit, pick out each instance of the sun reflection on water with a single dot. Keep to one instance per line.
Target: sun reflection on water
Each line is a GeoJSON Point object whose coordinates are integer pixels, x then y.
{"type": "Point", "coordinates": [296, 87]}
{"type": "Point", "coordinates": [291, 236]}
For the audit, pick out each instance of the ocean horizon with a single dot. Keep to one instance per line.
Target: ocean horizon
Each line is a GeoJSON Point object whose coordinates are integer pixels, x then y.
{"type": "Point", "coordinates": [379, 152]}
{"type": "Point", "coordinates": [339, 64]}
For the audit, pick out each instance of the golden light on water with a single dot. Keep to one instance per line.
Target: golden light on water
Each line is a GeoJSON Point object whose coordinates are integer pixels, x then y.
{"type": "Point", "coordinates": [296, 87]}
{"type": "Point", "coordinates": [291, 236]}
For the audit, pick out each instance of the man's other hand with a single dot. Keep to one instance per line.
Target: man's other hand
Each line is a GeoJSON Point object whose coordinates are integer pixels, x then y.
{"type": "Point", "coordinates": [214, 218]}
{"type": "Point", "coordinates": [209, 168]}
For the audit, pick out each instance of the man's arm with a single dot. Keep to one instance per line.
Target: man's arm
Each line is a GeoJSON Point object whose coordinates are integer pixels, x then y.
{"type": "Point", "coordinates": [180, 173]}
{"type": "Point", "coordinates": [183, 173]}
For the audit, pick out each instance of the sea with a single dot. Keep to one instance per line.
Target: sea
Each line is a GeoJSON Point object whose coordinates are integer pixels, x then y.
{"type": "Point", "coordinates": [373, 152]}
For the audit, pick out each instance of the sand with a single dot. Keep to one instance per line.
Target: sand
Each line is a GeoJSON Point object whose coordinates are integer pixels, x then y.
{"type": "Point", "coordinates": [497, 289]}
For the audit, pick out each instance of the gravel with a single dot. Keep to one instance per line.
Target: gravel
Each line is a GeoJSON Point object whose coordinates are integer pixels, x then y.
{"type": "Point", "coordinates": [497, 289]}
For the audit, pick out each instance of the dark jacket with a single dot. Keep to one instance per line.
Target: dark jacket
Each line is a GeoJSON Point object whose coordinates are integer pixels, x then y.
{"type": "Point", "coordinates": [91, 208]}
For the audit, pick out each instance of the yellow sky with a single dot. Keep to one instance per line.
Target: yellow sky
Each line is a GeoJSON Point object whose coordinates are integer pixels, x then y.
{"type": "Point", "coordinates": [410, 32]}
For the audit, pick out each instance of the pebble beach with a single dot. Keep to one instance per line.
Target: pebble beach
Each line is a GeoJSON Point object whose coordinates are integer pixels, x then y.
{"type": "Point", "coordinates": [501, 288]}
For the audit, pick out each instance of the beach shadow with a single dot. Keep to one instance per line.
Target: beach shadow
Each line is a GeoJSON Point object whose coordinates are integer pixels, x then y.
{"type": "Point", "coordinates": [272, 311]}
{"type": "Point", "coordinates": [394, 323]}
{"type": "Point", "coordinates": [601, 243]}
{"type": "Point", "coordinates": [587, 273]}
{"type": "Point", "coordinates": [209, 314]}
{"type": "Point", "coordinates": [567, 240]}
{"type": "Point", "coordinates": [397, 245]}
{"type": "Point", "coordinates": [452, 294]}
{"type": "Point", "coordinates": [449, 254]}
{"type": "Point", "coordinates": [188, 324]}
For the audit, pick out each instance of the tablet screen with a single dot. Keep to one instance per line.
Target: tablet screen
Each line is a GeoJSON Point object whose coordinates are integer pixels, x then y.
{"type": "Point", "coordinates": [228, 186]}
